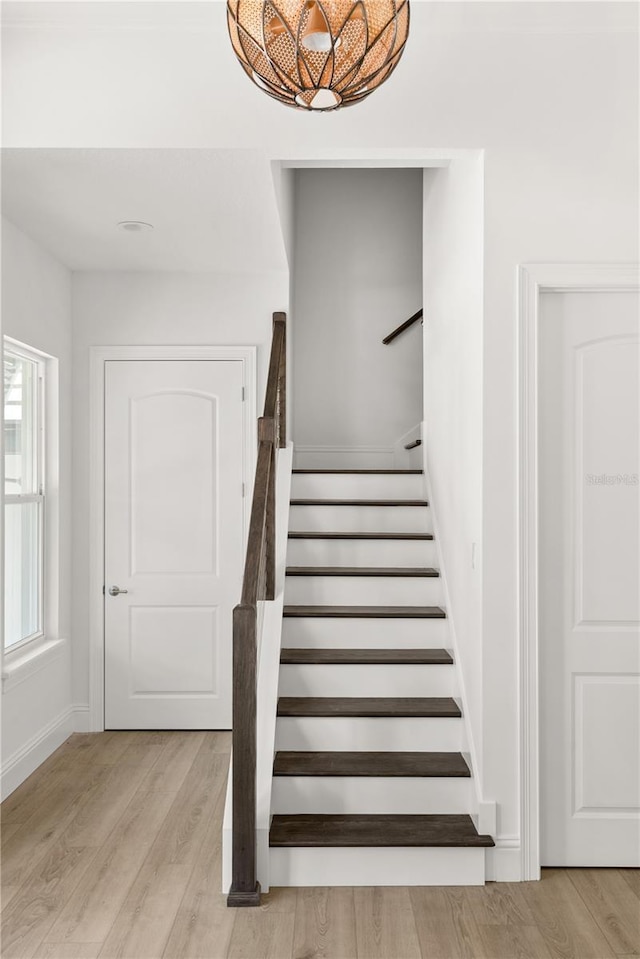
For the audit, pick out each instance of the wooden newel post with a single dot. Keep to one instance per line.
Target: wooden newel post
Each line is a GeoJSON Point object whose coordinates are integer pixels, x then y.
{"type": "Point", "coordinates": [245, 889]}
{"type": "Point", "coordinates": [267, 433]}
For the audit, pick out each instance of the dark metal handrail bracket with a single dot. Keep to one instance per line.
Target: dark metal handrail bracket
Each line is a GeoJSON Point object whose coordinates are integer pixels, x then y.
{"type": "Point", "coordinates": [258, 584]}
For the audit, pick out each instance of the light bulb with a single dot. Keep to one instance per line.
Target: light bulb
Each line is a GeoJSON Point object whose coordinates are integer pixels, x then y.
{"type": "Point", "coordinates": [316, 36]}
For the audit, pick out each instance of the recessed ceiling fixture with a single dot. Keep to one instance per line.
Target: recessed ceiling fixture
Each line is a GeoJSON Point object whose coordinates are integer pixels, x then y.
{"type": "Point", "coordinates": [318, 54]}
{"type": "Point", "coordinates": [134, 226]}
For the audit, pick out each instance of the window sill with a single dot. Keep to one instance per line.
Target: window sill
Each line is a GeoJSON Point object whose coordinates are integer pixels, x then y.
{"type": "Point", "coordinates": [21, 664]}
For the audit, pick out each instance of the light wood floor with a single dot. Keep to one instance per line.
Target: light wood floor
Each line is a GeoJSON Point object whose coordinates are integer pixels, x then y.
{"type": "Point", "coordinates": [112, 848]}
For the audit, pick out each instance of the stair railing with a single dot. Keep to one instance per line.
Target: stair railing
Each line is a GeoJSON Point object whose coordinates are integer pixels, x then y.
{"type": "Point", "coordinates": [258, 584]}
{"type": "Point", "coordinates": [403, 326]}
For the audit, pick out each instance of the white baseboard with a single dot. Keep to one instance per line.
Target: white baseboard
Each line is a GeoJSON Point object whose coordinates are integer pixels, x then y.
{"type": "Point", "coordinates": [33, 753]}
{"type": "Point", "coordinates": [81, 718]}
{"type": "Point", "coordinates": [343, 457]}
{"type": "Point", "coordinates": [504, 861]}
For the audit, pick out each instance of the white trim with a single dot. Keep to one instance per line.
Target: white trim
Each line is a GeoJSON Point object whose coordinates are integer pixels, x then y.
{"type": "Point", "coordinates": [99, 355]}
{"type": "Point", "coordinates": [502, 863]}
{"type": "Point", "coordinates": [533, 279]}
{"type": "Point", "coordinates": [35, 751]}
{"type": "Point", "coordinates": [476, 781]}
{"type": "Point", "coordinates": [81, 718]}
{"type": "Point", "coordinates": [28, 660]}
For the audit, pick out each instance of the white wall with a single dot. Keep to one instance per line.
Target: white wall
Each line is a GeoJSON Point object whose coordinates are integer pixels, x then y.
{"type": "Point", "coordinates": [36, 699]}
{"type": "Point", "coordinates": [548, 90]}
{"type": "Point", "coordinates": [152, 308]}
{"type": "Point", "coordinates": [453, 274]}
{"type": "Point", "coordinates": [358, 275]}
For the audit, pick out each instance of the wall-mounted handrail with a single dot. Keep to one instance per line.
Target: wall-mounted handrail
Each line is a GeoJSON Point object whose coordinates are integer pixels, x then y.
{"type": "Point", "coordinates": [258, 583]}
{"type": "Point", "coordinates": [403, 326]}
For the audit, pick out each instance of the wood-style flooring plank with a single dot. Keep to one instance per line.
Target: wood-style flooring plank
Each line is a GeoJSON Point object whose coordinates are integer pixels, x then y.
{"type": "Point", "coordinates": [568, 928]}
{"type": "Point", "coordinates": [7, 830]}
{"type": "Point", "coordinates": [172, 766]}
{"type": "Point", "coordinates": [498, 903]}
{"type": "Point", "coordinates": [6, 895]}
{"type": "Point", "coordinates": [68, 950]}
{"type": "Point", "coordinates": [613, 905]}
{"type": "Point", "coordinates": [144, 756]}
{"type": "Point", "coordinates": [325, 926]}
{"type": "Point", "coordinates": [142, 926]}
{"type": "Point", "coordinates": [98, 816]}
{"type": "Point", "coordinates": [189, 818]}
{"type": "Point", "coordinates": [443, 929]}
{"type": "Point", "coordinates": [102, 749]}
{"type": "Point", "coordinates": [91, 910]}
{"type": "Point", "coordinates": [632, 878]}
{"type": "Point", "coordinates": [28, 797]}
{"type": "Point", "coordinates": [24, 849]}
{"type": "Point", "coordinates": [512, 941]}
{"type": "Point", "coordinates": [268, 935]}
{"type": "Point", "coordinates": [385, 926]}
{"type": "Point", "coordinates": [203, 923]}
{"type": "Point", "coordinates": [29, 916]}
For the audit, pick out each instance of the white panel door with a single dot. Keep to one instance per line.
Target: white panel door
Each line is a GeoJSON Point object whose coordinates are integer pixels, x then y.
{"type": "Point", "coordinates": [173, 541]}
{"type": "Point", "coordinates": [589, 579]}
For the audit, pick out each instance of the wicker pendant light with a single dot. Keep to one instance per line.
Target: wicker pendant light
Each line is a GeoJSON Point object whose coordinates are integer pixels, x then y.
{"type": "Point", "coordinates": [318, 54]}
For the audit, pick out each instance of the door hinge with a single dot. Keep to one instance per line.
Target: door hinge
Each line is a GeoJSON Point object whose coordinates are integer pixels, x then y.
{"type": "Point", "coordinates": [243, 394]}
{"type": "Point", "coordinates": [243, 491]}
{"type": "Point", "coordinates": [103, 590]}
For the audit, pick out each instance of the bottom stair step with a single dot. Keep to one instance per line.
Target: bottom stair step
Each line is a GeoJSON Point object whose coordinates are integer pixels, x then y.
{"type": "Point", "coordinates": [381, 830]}
{"type": "Point", "coordinates": [377, 866]}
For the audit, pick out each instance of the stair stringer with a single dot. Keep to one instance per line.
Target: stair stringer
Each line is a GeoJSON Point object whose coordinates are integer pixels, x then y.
{"type": "Point", "coordinates": [270, 641]}
{"type": "Point", "coordinates": [483, 812]}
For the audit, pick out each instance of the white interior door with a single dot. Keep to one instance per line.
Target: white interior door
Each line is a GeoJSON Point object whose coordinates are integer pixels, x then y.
{"type": "Point", "coordinates": [589, 579]}
{"type": "Point", "coordinates": [173, 541]}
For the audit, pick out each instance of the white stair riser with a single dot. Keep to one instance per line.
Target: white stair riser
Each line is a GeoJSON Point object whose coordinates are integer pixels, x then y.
{"type": "Point", "coordinates": [361, 552]}
{"type": "Point", "coordinates": [342, 633]}
{"type": "Point", "coordinates": [392, 734]}
{"type": "Point", "coordinates": [363, 591]}
{"type": "Point", "coordinates": [365, 680]}
{"type": "Point", "coordinates": [371, 794]}
{"type": "Point", "coordinates": [373, 866]}
{"type": "Point", "coordinates": [358, 486]}
{"type": "Point", "coordinates": [361, 519]}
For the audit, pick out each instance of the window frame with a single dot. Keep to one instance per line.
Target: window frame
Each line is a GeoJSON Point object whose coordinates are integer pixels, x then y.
{"type": "Point", "coordinates": [39, 495]}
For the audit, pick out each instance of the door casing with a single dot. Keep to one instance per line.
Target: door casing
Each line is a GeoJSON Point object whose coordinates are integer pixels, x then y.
{"type": "Point", "coordinates": [534, 279]}
{"type": "Point", "coordinates": [99, 355]}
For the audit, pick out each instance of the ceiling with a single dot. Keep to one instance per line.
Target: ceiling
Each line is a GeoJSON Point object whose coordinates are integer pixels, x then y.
{"type": "Point", "coordinates": [212, 210]}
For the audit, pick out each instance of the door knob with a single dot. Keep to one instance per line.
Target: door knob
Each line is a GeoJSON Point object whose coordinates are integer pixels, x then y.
{"type": "Point", "coordinates": [115, 591]}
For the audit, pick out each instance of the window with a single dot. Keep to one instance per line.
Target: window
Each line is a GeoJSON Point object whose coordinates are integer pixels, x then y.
{"type": "Point", "coordinates": [24, 495]}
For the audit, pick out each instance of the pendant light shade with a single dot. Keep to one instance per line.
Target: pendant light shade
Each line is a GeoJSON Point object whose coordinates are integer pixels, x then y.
{"type": "Point", "coordinates": [318, 55]}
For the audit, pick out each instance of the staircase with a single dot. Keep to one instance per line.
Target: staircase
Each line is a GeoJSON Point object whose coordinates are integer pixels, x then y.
{"type": "Point", "coordinates": [371, 781]}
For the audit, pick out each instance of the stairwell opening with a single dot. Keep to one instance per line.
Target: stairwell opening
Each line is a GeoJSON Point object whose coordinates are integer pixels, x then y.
{"type": "Point", "coordinates": [357, 275]}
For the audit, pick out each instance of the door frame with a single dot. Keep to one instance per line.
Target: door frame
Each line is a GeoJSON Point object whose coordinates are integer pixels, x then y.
{"type": "Point", "coordinates": [534, 279]}
{"type": "Point", "coordinates": [99, 356]}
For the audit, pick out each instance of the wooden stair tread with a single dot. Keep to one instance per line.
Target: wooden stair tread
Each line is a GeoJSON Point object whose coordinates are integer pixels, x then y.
{"type": "Point", "coordinates": [376, 657]}
{"type": "Point", "coordinates": [361, 472]}
{"type": "Point", "coordinates": [321, 534]}
{"type": "Point", "coordinates": [395, 571]}
{"type": "Point", "coordinates": [375, 830]}
{"type": "Point", "coordinates": [369, 706]}
{"type": "Point", "coordinates": [387, 764]}
{"type": "Point", "coordinates": [366, 612]}
{"type": "Point", "coordinates": [359, 502]}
